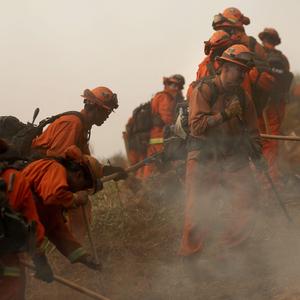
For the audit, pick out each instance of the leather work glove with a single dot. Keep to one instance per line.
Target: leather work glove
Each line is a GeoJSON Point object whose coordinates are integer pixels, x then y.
{"type": "Point", "coordinates": [43, 270]}
{"type": "Point", "coordinates": [234, 109]}
{"type": "Point", "coordinates": [80, 198]}
{"type": "Point", "coordinates": [108, 170]}
{"type": "Point", "coordinates": [89, 261]}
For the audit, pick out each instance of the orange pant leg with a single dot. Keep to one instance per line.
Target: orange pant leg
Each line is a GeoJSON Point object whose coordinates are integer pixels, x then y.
{"type": "Point", "coordinates": [149, 169]}
{"type": "Point", "coordinates": [274, 114]}
{"type": "Point", "coordinates": [208, 188]}
{"type": "Point", "coordinates": [12, 287]}
{"type": "Point", "coordinates": [201, 194]}
{"type": "Point", "coordinates": [240, 192]}
{"type": "Point", "coordinates": [76, 221]}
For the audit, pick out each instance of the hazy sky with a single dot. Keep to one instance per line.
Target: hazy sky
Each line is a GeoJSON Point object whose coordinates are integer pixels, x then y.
{"type": "Point", "coordinates": [51, 50]}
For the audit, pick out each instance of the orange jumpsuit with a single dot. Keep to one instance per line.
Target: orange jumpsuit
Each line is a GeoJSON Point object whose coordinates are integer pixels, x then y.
{"type": "Point", "coordinates": [271, 122]}
{"type": "Point", "coordinates": [218, 175]}
{"type": "Point", "coordinates": [48, 180]}
{"type": "Point", "coordinates": [64, 132]}
{"type": "Point", "coordinates": [12, 279]}
{"type": "Point", "coordinates": [163, 110]}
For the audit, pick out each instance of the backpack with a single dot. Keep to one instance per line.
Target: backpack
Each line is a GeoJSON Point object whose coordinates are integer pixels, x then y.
{"type": "Point", "coordinates": [138, 129]}
{"type": "Point", "coordinates": [21, 135]}
{"type": "Point", "coordinates": [278, 64]}
{"type": "Point", "coordinates": [16, 234]}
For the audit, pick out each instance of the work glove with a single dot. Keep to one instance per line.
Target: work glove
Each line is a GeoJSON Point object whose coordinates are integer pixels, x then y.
{"type": "Point", "coordinates": [80, 198]}
{"type": "Point", "coordinates": [89, 261]}
{"type": "Point", "coordinates": [108, 170]}
{"type": "Point", "coordinates": [234, 109]}
{"type": "Point", "coordinates": [43, 270]}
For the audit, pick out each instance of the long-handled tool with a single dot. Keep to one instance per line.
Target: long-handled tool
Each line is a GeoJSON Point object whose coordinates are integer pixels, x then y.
{"type": "Point", "coordinates": [71, 284]}
{"type": "Point", "coordinates": [135, 167]}
{"type": "Point", "coordinates": [88, 228]}
{"type": "Point", "coordinates": [280, 137]}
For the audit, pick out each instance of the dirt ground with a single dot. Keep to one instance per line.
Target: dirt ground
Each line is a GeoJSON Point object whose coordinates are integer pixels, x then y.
{"type": "Point", "coordinates": [137, 236]}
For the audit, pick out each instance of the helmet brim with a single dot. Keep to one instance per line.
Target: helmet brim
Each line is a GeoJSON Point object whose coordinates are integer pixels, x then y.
{"type": "Point", "coordinates": [244, 66]}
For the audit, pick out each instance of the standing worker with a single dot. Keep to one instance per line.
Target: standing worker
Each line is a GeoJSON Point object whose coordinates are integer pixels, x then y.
{"type": "Point", "coordinates": [163, 107]}
{"type": "Point", "coordinates": [261, 79]}
{"type": "Point", "coordinates": [275, 107]}
{"type": "Point", "coordinates": [218, 162]}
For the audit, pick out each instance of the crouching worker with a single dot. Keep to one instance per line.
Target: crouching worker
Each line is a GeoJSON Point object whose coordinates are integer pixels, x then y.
{"type": "Point", "coordinates": [20, 230]}
{"type": "Point", "coordinates": [221, 192]}
{"type": "Point", "coordinates": [59, 185]}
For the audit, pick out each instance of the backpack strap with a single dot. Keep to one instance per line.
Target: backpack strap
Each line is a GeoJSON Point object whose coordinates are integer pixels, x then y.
{"type": "Point", "coordinates": [211, 69]}
{"type": "Point", "coordinates": [212, 87]}
{"type": "Point", "coordinates": [51, 119]}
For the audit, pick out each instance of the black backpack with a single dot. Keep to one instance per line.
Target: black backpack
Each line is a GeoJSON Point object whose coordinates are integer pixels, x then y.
{"type": "Point", "coordinates": [138, 130]}
{"type": "Point", "coordinates": [21, 135]}
{"type": "Point", "coordinates": [16, 234]}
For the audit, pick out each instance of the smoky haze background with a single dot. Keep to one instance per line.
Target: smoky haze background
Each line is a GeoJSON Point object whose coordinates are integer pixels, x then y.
{"type": "Point", "coordinates": [52, 50]}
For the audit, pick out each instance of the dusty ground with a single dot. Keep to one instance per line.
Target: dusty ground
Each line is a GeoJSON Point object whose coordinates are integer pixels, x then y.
{"type": "Point", "coordinates": [137, 239]}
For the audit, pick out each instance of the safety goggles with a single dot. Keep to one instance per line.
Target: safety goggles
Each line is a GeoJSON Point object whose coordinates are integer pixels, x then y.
{"type": "Point", "coordinates": [219, 18]}
{"type": "Point", "coordinates": [112, 103]}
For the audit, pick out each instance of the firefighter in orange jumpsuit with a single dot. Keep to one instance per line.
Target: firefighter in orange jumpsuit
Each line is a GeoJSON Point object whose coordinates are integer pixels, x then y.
{"type": "Point", "coordinates": [275, 108]}
{"type": "Point", "coordinates": [74, 129]}
{"type": "Point", "coordinates": [163, 107]}
{"type": "Point", "coordinates": [260, 81]}
{"type": "Point", "coordinates": [61, 184]}
{"type": "Point", "coordinates": [215, 46]}
{"type": "Point", "coordinates": [218, 171]}
{"type": "Point", "coordinates": [20, 200]}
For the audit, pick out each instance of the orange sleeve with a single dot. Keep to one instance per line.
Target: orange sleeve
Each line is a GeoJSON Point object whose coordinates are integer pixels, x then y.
{"type": "Point", "coordinates": [21, 200]}
{"type": "Point", "coordinates": [201, 117]}
{"type": "Point", "coordinates": [202, 68]}
{"type": "Point", "coordinates": [164, 105]}
{"type": "Point", "coordinates": [53, 187]}
{"type": "Point", "coordinates": [61, 134]}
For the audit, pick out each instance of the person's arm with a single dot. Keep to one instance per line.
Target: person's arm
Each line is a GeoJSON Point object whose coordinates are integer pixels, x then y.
{"type": "Point", "coordinates": [201, 116]}
{"type": "Point", "coordinates": [53, 188]}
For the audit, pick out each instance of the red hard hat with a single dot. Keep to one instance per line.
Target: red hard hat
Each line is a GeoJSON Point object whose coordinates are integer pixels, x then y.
{"type": "Point", "coordinates": [238, 54]}
{"type": "Point", "coordinates": [101, 96]}
{"type": "Point", "coordinates": [271, 35]}
{"type": "Point", "coordinates": [231, 17]}
{"type": "Point", "coordinates": [219, 39]}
